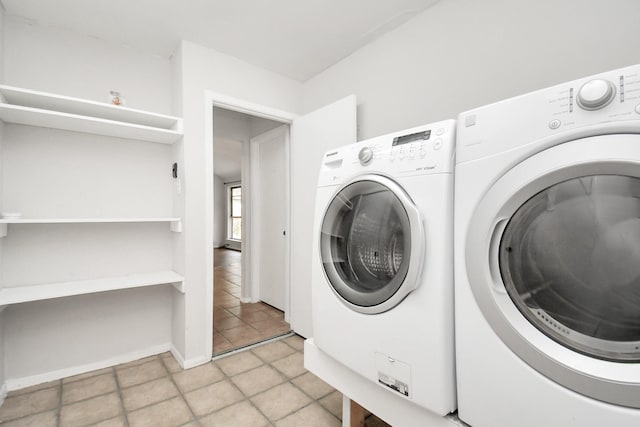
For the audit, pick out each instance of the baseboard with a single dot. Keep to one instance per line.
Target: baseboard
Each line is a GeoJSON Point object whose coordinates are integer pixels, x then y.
{"type": "Point", "coordinates": [192, 363]}
{"type": "Point", "coordinates": [3, 393]}
{"type": "Point", "coordinates": [188, 363]}
{"type": "Point", "coordinates": [18, 383]}
{"type": "Point", "coordinates": [177, 355]}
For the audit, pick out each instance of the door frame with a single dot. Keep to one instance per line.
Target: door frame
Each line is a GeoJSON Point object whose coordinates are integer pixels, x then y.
{"type": "Point", "coordinates": [215, 99]}
{"type": "Point", "coordinates": [256, 222]}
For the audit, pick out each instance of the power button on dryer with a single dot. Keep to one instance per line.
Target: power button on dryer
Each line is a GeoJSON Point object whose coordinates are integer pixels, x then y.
{"type": "Point", "coordinates": [554, 124]}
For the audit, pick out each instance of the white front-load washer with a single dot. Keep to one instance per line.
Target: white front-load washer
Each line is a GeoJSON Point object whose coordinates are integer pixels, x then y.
{"type": "Point", "coordinates": [547, 255]}
{"type": "Point", "coordinates": [382, 271]}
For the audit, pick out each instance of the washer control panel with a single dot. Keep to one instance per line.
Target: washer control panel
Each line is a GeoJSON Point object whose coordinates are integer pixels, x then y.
{"type": "Point", "coordinates": [421, 150]}
{"type": "Point", "coordinates": [365, 155]}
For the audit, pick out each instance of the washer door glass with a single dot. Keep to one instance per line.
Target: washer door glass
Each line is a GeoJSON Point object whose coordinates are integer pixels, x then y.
{"type": "Point", "coordinates": [365, 243]}
{"type": "Point", "coordinates": [570, 261]}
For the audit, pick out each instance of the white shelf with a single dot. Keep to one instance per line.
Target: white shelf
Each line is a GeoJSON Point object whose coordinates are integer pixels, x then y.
{"type": "Point", "coordinates": [20, 294]}
{"type": "Point", "coordinates": [42, 109]}
{"type": "Point", "coordinates": [175, 224]}
{"type": "Point", "coordinates": [82, 220]}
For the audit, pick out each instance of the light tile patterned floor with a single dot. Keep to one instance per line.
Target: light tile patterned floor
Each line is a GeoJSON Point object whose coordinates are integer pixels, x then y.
{"type": "Point", "coordinates": [262, 386]}
{"type": "Point", "coordinates": [236, 324]}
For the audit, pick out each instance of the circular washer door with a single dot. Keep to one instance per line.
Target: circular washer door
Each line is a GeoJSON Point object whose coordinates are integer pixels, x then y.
{"type": "Point", "coordinates": [371, 244]}
{"type": "Point", "coordinates": [553, 260]}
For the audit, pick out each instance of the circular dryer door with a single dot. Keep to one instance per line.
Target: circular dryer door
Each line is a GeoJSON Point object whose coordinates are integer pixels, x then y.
{"type": "Point", "coordinates": [569, 258]}
{"type": "Point", "coordinates": [553, 259]}
{"type": "Point", "coordinates": [371, 244]}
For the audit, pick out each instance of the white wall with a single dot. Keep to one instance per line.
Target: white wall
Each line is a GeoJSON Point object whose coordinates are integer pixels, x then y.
{"type": "Point", "coordinates": [2, 369]}
{"type": "Point", "coordinates": [65, 336]}
{"type": "Point", "coordinates": [2, 30]}
{"type": "Point", "coordinates": [50, 173]}
{"type": "Point", "coordinates": [230, 131]}
{"type": "Point", "coordinates": [54, 173]}
{"type": "Point", "coordinates": [3, 385]}
{"type": "Point", "coordinates": [258, 126]}
{"type": "Point", "coordinates": [60, 61]}
{"type": "Point", "coordinates": [461, 54]}
{"type": "Point", "coordinates": [203, 69]}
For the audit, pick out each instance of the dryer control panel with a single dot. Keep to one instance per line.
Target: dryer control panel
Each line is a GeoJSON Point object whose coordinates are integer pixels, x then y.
{"type": "Point", "coordinates": [427, 149]}
{"type": "Point", "coordinates": [609, 98]}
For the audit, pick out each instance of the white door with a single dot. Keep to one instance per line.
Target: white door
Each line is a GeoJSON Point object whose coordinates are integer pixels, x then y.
{"type": "Point", "coordinates": [311, 136]}
{"type": "Point", "coordinates": [269, 212]}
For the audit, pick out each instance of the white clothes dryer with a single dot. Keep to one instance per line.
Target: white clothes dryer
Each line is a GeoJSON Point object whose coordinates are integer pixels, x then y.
{"type": "Point", "coordinates": [547, 247]}
{"type": "Point", "coordinates": [382, 272]}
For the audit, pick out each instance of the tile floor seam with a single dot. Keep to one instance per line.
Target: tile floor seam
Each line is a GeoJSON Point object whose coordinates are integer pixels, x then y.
{"type": "Point", "coordinates": [294, 335]}
{"type": "Point", "coordinates": [313, 401]}
{"type": "Point", "coordinates": [88, 398]}
{"type": "Point", "coordinates": [125, 414]}
{"type": "Point", "coordinates": [288, 380]}
{"type": "Point", "coordinates": [284, 416]}
{"type": "Point", "coordinates": [83, 376]}
{"type": "Point", "coordinates": [198, 388]}
{"type": "Point", "coordinates": [300, 388]}
{"type": "Point", "coordinates": [248, 399]}
{"type": "Point", "coordinates": [30, 414]}
{"type": "Point", "coordinates": [180, 392]}
{"type": "Point", "coordinates": [103, 421]}
{"type": "Point", "coordinates": [59, 408]}
{"type": "Point", "coordinates": [220, 408]}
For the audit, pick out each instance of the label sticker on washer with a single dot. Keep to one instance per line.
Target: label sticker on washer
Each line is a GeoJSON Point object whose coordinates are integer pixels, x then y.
{"type": "Point", "coordinates": [393, 384]}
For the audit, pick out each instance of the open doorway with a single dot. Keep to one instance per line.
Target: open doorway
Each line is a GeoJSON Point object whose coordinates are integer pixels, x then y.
{"type": "Point", "coordinates": [250, 297]}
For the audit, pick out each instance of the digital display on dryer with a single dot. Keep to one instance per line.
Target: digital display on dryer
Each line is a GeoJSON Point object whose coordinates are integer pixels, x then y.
{"type": "Point", "coordinates": [406, 139]}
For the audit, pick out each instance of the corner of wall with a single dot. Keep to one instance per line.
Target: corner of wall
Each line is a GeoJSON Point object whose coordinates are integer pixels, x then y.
{"type": "Point", "coordinates": [2, 12]}
{"type": "Point", "coordinates": [3, 383]}
{"type": "Point", "coordinates": [176, 80]}
{"type": "Point", "coordinates": [178, 319]}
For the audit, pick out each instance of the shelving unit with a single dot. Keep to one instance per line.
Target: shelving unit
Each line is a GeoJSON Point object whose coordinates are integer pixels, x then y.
{"type": "Point", "coordinates": [48, 110]}
{"type": "Point", "coordinates": [175, 224]}
{"type": "Point", "coordinates": [21, 294]}
{"type": "Point", "coordinates": [41, 109]}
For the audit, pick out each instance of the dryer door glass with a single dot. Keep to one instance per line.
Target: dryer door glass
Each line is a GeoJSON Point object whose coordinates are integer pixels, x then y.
{"type": "Point", "coordinates": [365, 243]}
{"type": "Point", "coordinates": [570, 261]}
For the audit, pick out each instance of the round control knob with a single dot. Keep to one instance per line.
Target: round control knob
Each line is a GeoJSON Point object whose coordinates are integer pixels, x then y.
{"type": "Point", "coordinates": [365, 155]}
{"type": "Point", "coordinates": [596, 94]}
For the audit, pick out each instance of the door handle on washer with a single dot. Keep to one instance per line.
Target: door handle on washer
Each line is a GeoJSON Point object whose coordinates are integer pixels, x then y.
{"type": "Point", "coordinates": [494, 247]}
